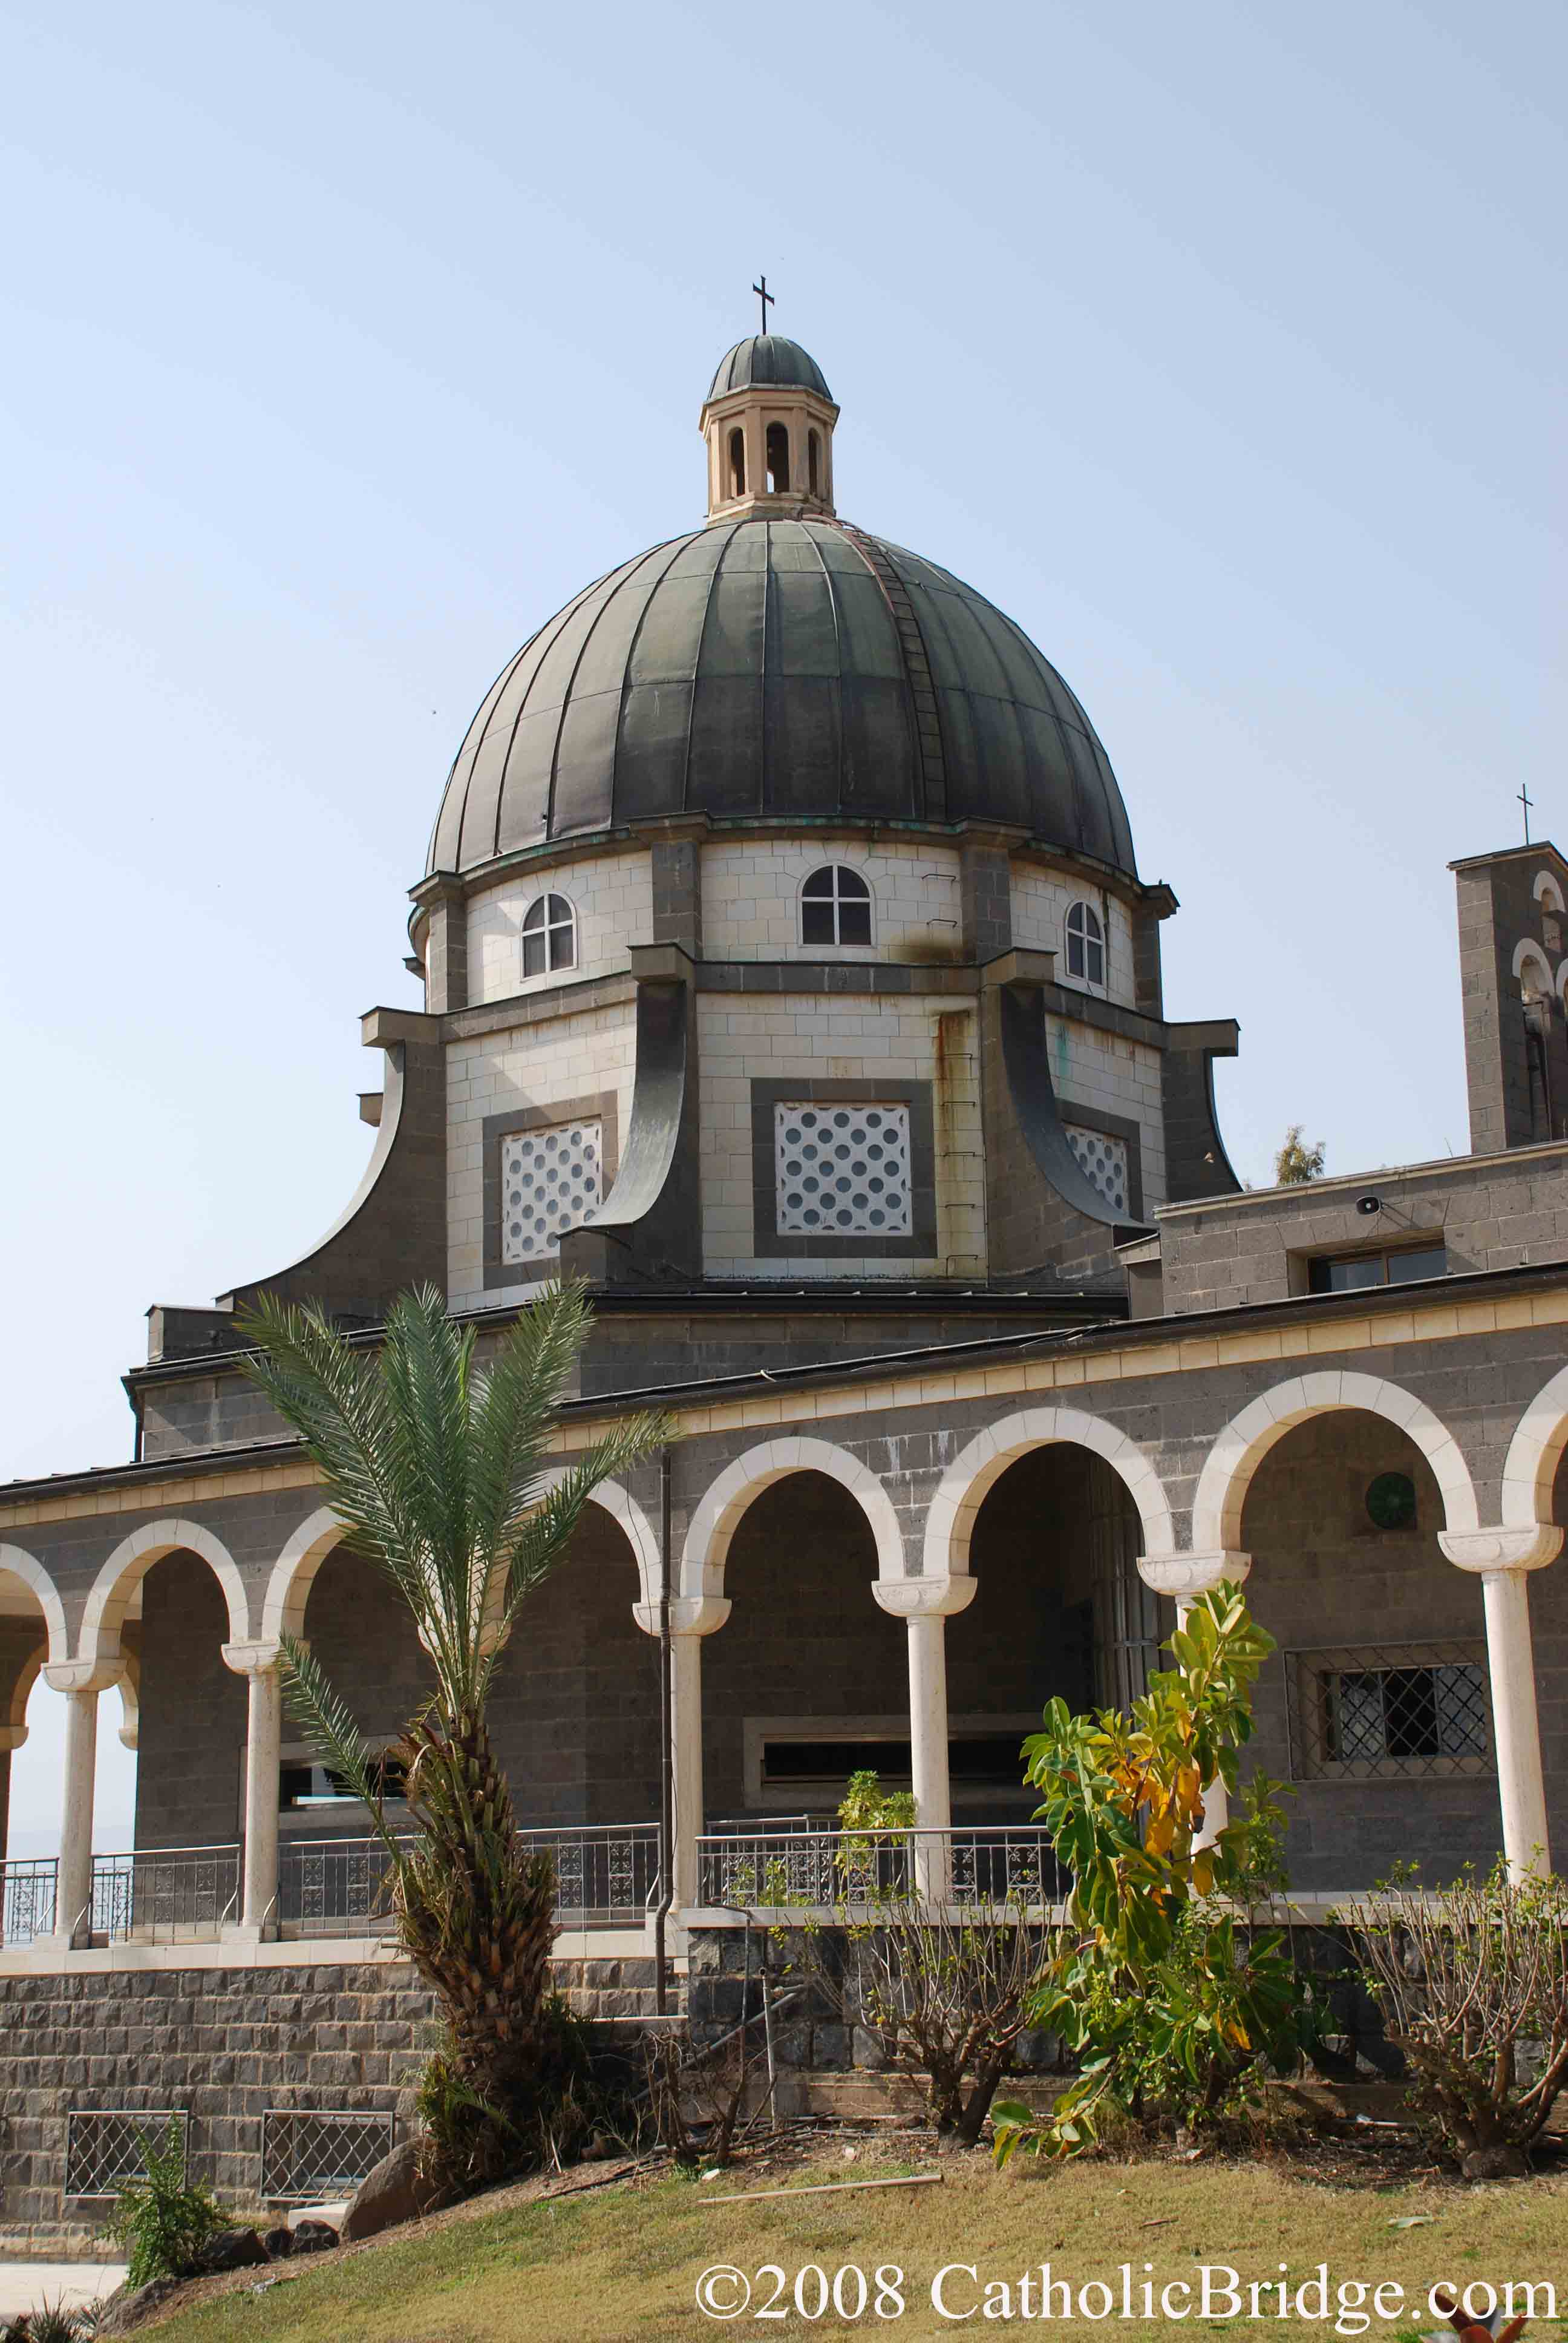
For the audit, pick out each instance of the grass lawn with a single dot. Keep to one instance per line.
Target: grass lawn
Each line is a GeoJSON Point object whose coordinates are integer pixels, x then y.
{"type": "Point", "coordinates": [624, 2261]}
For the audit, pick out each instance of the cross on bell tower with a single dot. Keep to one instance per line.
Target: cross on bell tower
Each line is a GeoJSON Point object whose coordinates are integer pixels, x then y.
{"type": "Point", "coordinates": [768, 299]}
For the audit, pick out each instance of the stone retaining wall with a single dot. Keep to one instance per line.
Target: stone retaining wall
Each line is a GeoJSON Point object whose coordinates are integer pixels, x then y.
{"type": "Point", "coordinates": [223, 2045]}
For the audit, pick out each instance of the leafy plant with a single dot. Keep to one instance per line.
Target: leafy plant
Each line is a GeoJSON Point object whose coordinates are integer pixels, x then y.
{"type": "Point", "coordinates": [161, 2220]}
{"type": "Point", "coordinates": [1473, 1983]}
{"type": "Point", "coordinates": [870, 1821]}
{"type": "Point", "coordinates": [1296, 1163]}
{"type": "Point", "coordinates": [1164, 1984]}
{"type": "Point", "coordinates": [439, 1470]}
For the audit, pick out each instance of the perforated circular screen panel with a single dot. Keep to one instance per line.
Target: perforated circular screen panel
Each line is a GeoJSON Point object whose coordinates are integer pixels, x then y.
{"type": "Point", "coordinates": [1102, 1161]}
{"type": "Point", "coordinates": [551, 1180]}
{"type": "Point", "coordinates": [842, 1170]}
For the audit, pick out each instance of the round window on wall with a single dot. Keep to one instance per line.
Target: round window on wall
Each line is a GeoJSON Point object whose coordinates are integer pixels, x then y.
{"type": "Point", "coordinates": [1390, 1502]}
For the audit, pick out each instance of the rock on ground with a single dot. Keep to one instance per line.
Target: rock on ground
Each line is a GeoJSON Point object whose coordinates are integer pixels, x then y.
{"type": "Point", "coordinates": [391, 2192]}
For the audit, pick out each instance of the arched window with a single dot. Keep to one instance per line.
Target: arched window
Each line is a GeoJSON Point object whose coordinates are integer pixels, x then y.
{"type": "Point", "coordinates": [550, 935]}
{"type": "Point", "coordinates": [834, 907]}
{"type": "Point", "coordinates": [1085, 944]}
{"type": "Point", "coordinates": [814, 463]}
{"type": "Point", "coordinates": [738, 462]}
{"type": "Point", "coordinates": [778, 459]}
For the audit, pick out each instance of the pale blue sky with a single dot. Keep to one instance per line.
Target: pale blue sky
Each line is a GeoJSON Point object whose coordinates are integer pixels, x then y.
{"type": "Point", "coordinates": [1220, 346]}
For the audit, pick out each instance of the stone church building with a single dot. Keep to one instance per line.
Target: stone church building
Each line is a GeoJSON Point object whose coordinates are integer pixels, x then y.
{"type": "Point", "coordinates": [789, 976]}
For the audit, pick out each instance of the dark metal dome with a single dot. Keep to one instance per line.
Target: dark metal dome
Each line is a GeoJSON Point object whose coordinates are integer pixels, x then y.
{"type": "Point", "coordinates": [768, 358]}
{"type": "Point", "coordinates": [796, 670]}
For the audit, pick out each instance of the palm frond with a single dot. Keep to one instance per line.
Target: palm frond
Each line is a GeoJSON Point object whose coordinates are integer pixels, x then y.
{"type": "Point", "coordinates": [328, 1719]}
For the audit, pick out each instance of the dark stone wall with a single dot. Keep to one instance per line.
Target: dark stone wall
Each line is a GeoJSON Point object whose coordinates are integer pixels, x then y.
{"type": "Point", "coordinates": [1322, 1574]}
{"type": "Point", "coordinates": [191, 1743]}
{"type": "Point", "coordinates": [804, 1637]}
{"type": "Point", "coordinates": [225, 2045]}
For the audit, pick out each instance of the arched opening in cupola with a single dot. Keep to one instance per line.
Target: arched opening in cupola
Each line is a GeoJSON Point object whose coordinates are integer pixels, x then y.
{"type": "Point", "coordinates": [738, 462]}
{"type": "Point", "coordinates": [778, 459]}
{"type": "Point", "coordinates": [814, 463]}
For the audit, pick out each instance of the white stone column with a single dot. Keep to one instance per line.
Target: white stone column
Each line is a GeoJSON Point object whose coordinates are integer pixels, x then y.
{"type": "Point", "coordinates": [1502, 1558]}
{"type": "Point", "coordinates": [1184, 1577]}
{"type": "Point", "coordinates": [259, 1665]}
{"type": "Point", "coordinates": [74, 1879]}
{"type": "Point", "coordinates": [691, 1617]}
{"type": "Point", "coordinates": [925, 1605]}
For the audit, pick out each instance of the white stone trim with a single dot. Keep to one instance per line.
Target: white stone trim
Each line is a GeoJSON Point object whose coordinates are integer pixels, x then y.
{"type": "Point", "coordinates": [128, 1566]}
{"type": "Point", "coordinates": [37, 1581]}
{"type": "Point", "coordinates": [719, 1509]}
{"type": "Point", "coordinates": [1529, 954]}
{"type": "Point", "coordinates": [293, 1574]}
{"type": "Point", "coordinates": [1237, 1451]}
{"type": "Point", "coordinates": [964, 1487]}
{"type": "Point", "coordinates": [1546, 890]}
{"type": "Point", "coordinates": [1535, 1452]}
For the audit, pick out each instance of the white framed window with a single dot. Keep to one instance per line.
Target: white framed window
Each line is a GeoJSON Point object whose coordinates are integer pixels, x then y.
{"type": "Point", "coordinates": [552, 1180]}
{"type": "Point", "coordinates": [834, 907]}
{"type": "Point", "coordinates": [1085, 944]}
{"type": "Point", "coordinates": [842, 1170]}
{"type": "Point", "coordinates": [550, 935]}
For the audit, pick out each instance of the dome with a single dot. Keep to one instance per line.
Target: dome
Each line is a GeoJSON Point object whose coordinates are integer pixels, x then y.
{"type": "Point", "coordinates": [764, 358]}
{"type": "Point", "coordinates": [779, 668]}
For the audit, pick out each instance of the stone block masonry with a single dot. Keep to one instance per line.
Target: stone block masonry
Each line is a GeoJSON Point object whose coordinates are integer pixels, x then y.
{"type": "Point", "coordinates": [223, 2045]}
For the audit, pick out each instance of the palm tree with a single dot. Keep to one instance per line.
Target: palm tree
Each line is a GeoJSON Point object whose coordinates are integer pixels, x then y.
{"type": "Point", "coordinates": [443, 1473]}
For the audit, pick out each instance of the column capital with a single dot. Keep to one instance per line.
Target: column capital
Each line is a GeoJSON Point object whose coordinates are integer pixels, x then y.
{"type": "Point", "coordinates": [81, 1675]}
{"type": "Point", "coordinates": [1185, 1575]}
{"type": "Point", "coordinates": [252, 1659]}
{"type": "Point", "coordinates": [1502, 1549]}
{"type": "Point", "coordinates": [689, 1615]}
{"type": "Point", "coordinates": [925, 1598]}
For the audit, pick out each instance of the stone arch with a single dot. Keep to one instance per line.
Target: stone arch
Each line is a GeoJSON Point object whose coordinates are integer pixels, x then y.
{"type": "Point", "coordinates": [1535, 1452]}
{"type": "Point", "coordinates": [129, 1565]}
{"type": "Point", "coordinates": [293, 1572]}
{"type": "Point", "coordinates": [1547, 892]}
{"type": "Point", "coordinates": [1246, 1440]}
{"type": "Point", "coordinates": [36, 1579]}
{"type": "Point", "coordinates": [964, 1487]}
{"type": "Point", "coordinates": [719, 1509]}
{"type": "Point", "coordinates": [1529, 958]}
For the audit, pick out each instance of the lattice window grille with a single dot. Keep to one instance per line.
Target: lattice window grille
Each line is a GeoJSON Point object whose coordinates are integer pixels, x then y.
{"type": "Point", "coordinates": [1103, 1162]}
{"type": "Point", "coordinates": [1396, 1711]}
{"type": "Point", "coordinates": [311, 2154]}
{"type": "Point", "coordinates": [841, 1169]}
{"type": "Point", "coordinates": [551, 1180]}
{"type": "Point", "coordinates": [103, 2146]}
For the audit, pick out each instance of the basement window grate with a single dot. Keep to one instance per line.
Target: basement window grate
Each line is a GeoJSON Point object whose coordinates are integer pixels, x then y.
{"type": "Point", "coordinates": [309, 2155]}
{"type": "Point", "coordinates": [103, 2146]}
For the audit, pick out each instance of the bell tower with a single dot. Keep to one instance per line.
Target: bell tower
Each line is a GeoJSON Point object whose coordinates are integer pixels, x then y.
{"type": "Point", "coordinates": [767, 420]}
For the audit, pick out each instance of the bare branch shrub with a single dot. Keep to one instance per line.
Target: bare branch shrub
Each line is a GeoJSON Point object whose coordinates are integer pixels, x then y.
{"type": "Point", "coordinates": [1472, 1982]}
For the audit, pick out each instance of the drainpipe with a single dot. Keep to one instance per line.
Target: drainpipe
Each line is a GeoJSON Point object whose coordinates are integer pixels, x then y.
{"type": "Point", "coordinates": [666, 1753]}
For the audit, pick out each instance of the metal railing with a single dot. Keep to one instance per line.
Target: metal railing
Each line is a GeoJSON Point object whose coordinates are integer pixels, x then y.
{"type": "Point", "coordinates": [334, 1887]}
{"type": "Point", "coordinates": [607, 1875]}
{"type": "Point", "coordinates": [165, 1896]}
{"type": "Point", "coordinates": [986, 1865]}
{"type": "Point", "coordinates": [27, 1898]}
{"type": "Point", "coordinates": [107, 2146]}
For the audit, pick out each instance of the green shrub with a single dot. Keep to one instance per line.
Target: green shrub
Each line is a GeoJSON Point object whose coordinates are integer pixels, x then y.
{"type": "Point", "coordinates": [160, 2218]}
{"type": "Point", "coordinates": [1171, 1995]}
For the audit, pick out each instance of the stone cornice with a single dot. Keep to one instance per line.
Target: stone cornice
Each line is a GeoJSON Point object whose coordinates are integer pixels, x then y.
{"type": "Point", "coordinates": [1317, 1327]}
